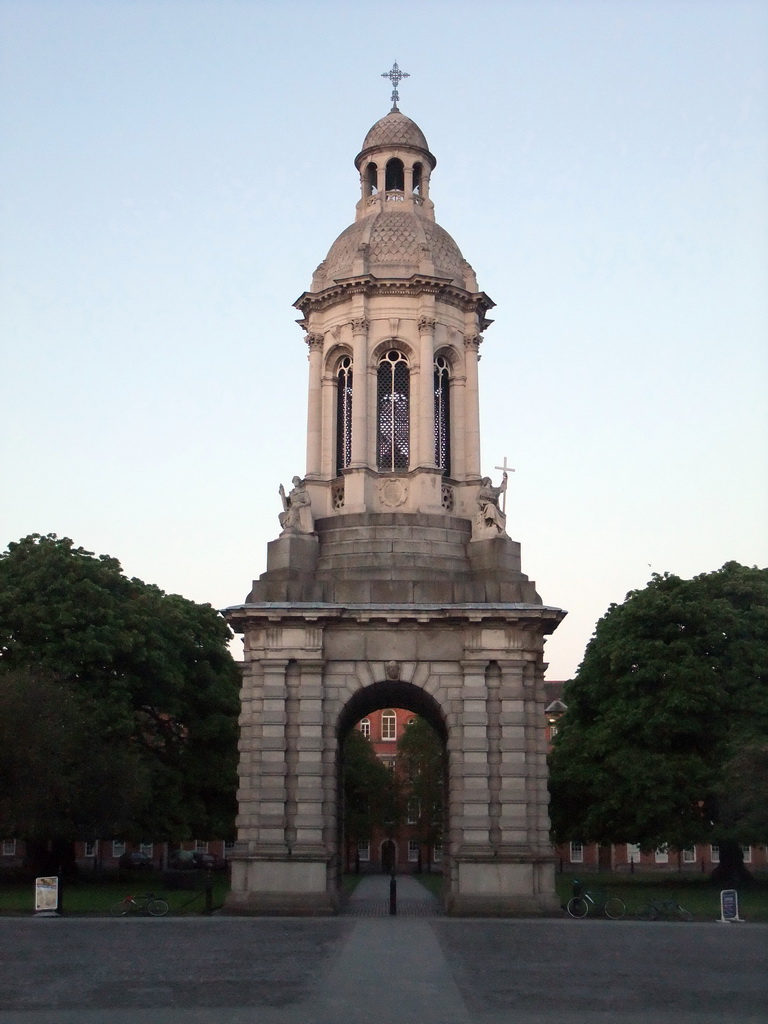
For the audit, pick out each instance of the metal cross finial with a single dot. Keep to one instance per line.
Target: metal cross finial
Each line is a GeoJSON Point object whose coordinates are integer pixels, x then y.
{"type": "Point", "coordinates": [505, 469]}
{"type": "Point", "coordinates": [395, 76]}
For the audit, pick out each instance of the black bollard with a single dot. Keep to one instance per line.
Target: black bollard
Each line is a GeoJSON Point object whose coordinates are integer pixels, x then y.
{"type": "Point", "coordinates": [393, 896]}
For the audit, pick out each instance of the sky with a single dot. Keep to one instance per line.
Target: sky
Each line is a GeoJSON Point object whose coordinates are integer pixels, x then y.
{"type": "Point", "coordinates": [172, 172]}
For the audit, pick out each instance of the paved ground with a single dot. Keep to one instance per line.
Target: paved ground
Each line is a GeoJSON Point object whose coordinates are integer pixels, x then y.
{"type": "Point", "coordinates": [371, 898]}
{"type": "Point", "coordinates": [380, 970]}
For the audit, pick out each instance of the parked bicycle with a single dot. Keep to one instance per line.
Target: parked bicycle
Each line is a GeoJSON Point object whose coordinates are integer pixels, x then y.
{"type": "Point", "coordinates": [582, 901]}
{"type": "Point", "coordinates": [655, 909]}
{"type": "Point", "coordinates": [146, 904]}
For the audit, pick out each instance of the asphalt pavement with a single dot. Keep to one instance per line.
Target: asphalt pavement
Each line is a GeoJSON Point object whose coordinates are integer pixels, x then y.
{"type": "Point", "coordinates": [374, 969]}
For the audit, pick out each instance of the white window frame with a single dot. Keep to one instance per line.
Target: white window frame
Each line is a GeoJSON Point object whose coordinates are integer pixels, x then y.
{"type": "Point", "coordinates": [148, 848]}
{"type": "Point", "coordinates": [689, 855]}
{"type": "Point", "coordinates": [9, 848]}
{"type": "Point", "coordinates": [661, 855]}
{"type": "Point", "coordinates": [365, 727]}
{"type": "Point", "coordinates": [576, 852]}
{"type": "Point", "coordinates": [89, 848]}
{"type": "Point", "coordinates": [201, 846]}
{"type": "Point", "coordinates": [747, 851]}
{"type": "Point", "coordinates": [364, 851]}
{"type": "Point", "coordinates": [388, 732]}
{"type": "Point", "coordinates": [229, 847]}
{"type": "Point", "coordinates": [413, 851]}
{"type": "Point", "coordinates": [714, 853]}
{"type": "Point", "coordinates": [437, 853]}
{"type": "Point", "coordinates": [118, 848]}
{"type": "Point", "coordinates": [633, 853]}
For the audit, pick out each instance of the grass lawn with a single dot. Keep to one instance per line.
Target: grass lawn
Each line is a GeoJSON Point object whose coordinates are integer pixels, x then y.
{"type": "Point", "coordinates": [92, 897]}
{"type": "Point", "coordinates": [694, 892]}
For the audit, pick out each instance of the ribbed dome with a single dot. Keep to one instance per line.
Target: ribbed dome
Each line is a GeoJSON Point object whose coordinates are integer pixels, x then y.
{"type": "Point", "coordinates": [395, 240]}
{"type": "Point", "coordinates": [395, 130]}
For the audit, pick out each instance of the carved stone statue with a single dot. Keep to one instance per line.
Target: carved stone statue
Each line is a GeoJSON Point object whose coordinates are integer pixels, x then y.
{"type": "Point", "coordinates": [296, 516]}
{"type": "Point", "coordinates": [490, 515]}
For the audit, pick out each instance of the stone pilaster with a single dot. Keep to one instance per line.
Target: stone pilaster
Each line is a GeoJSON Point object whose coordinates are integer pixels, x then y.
{"type": "Point", "coordinates": [475, 810]}
{"type": "Point", "coordinates": [314, 405]}
{"type": "Point", "coordinates": [472, 344]}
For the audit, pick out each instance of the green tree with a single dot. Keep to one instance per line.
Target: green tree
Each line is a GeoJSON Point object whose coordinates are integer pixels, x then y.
{"type": "Point", "coordinates": [421, 764]}
{"type": "Point", "coordinates": [672, 693]}
{"type": "Point", "coordinates": [138, 683]}
{"type": "Point", "coordinates": [371, 799]}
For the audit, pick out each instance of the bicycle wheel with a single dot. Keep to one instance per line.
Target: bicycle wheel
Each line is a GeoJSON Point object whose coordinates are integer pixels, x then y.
{"type": "Point", "coordinates": [647, 913]}
{"type": "Point", "coordinates": [683, 914]}
{"type": "Point", "coordinates": [577, 907]}
{"type": "Point", "coordinates": [615, 908]}
{"type": "Point", "coordinates": [157, 908]}
{"type": "Point", "coordinates": [120, 909]}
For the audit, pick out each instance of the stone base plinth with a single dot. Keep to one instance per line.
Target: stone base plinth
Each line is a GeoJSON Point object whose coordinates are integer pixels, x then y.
{"type": "Point", "coordinates": [291, 887]}
{"type": "Point", "coordinates": [503, 888]}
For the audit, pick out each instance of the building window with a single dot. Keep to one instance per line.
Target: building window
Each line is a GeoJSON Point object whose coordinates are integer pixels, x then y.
{"type": "Point", "coordinates": [9, 847]}
{"type": "Point", "coordinates": [437, 853]}
{"type": "Point", "coordinates": [389, 762]}
{"type": "Point", "coordinates": [344, 415]}
{"type": "Point", "coordinates": [633, 853]}
{"type": "Point", "coordinates": [371, 175]}
{"type": "Point", "coordinates": [689, 855]}
{"type": "Point", "coordinates": [388, 725]}
{"type": "Point", "coordinates": [714, 853]}
{"type": "Point", "coordinates": [417, 170]}
{"type": "Point", "coordinates": [148, 848]}
{"type": "Point", "coordinates": [413, 850]}
{"type": "Point", "coordinates": [201, 846]}
{"type": "Point", "coordinates": [552, 731]}
{"type": "Point", "coordinates": [365, 727]}
{"type": "Point", "coordinates": [364, 851]}
{"type": "Point", "coordinates": [662, 855]}
{"type": "Point", "coordinates": [229, 848]}
{"type": "Point", "coordinates": [393, 412]}
{"type": "Point", "coordinates": [747, 851]}
{"type": "Point", "coordinates": [118, 848]}
{"type": "Point", "coordinates": [577, 853]}
{"type": "Point", "coordinates": [394, 175]}
{"type": "Point", "coordinates": [442, 415]}
{"type": "Point", "coordinates": [413, 811]}
{"type": "Point", "coordinates": [90, 850]}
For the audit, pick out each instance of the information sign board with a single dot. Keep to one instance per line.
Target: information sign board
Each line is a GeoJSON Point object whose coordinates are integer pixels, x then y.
{"type": "Point", "coordinates": [46, 894]}
{"type": "Point", "coordinates": [729, 905]}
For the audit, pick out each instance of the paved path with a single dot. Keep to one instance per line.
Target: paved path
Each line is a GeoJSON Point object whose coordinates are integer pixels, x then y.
{"type": "Point", "coordinates": [371, 898]}
{"type": "Point", "coordinates": [380, 971]}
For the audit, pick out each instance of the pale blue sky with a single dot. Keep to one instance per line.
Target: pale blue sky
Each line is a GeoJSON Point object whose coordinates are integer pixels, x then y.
{"type": "Point", "coordinates": [172, 172]}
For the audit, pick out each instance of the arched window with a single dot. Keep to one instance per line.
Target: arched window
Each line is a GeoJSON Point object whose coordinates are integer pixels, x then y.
{"type": "Point", "coordinates": [442, 415]}
{"type": "Point", "coordinates": [344, 415]}
{"type": "Point", "coordinates": [388, 725]}
{"type": "Point", "coordinates": [417, 179]}
{"type": "Point", "coordinates": [371, 176]}
{"type": "Point", "coordinates": [395, 176]}
{"type": "Point", "coordinates": [392, 411]}
{"type": "Point", "coordinates": [365, 727]}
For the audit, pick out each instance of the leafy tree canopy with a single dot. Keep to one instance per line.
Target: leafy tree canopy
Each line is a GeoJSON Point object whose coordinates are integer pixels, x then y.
{"type": "Point", "coordinates": [421, 762]}
{"type": "Point", "coordinates": [371, 796]}
{"type": "Point", "coordinates": [138, 682]}
{"type": "Point", "coordinates": [667, 712]}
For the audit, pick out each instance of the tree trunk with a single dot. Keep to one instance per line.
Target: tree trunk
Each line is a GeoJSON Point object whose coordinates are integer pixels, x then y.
{"type": "Point", "coordinates": [731, 871]}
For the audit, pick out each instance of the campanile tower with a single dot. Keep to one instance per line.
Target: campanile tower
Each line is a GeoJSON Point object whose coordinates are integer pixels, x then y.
{"type": "Point", "coordinates": [393, 582]}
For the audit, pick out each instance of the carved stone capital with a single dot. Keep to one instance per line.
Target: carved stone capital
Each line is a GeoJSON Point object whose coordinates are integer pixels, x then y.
{"type": "Point", "coordinates": [426, 325]}
{"type": "Point", "coordinates": [359, 324]}
{"type": "Point", "coordinates": [314, 342]}
{"type": "Point", "coordinates": [472, 342]}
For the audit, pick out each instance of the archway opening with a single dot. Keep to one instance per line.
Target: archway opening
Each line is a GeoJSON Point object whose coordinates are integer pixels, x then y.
{"type": "Point", "coordinates": [392, 782]}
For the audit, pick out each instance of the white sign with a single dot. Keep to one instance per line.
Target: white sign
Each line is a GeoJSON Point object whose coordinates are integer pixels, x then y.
{"type": "Point", "coordinates": [46, 893]}
{"type": "Point", "coordinates": [729, 905]}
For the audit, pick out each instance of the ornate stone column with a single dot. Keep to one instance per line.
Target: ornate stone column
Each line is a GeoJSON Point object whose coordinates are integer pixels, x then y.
{"type": "Point", "coordinates": [426, 441]}
{"type": "Point", "coordinates": [472, 344]}
{"type": "Point", "coordinates": [359, 391]}
{"type": "Point", "coordinates": [314, 408]}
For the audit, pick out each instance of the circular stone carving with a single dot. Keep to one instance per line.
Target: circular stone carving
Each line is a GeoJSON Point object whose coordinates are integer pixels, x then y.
{"type": "Point", "coordinates": [392, 493]}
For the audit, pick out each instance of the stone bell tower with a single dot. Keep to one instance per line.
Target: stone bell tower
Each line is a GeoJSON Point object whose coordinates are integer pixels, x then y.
{"type": "Point", "coordinates": [393, 581]}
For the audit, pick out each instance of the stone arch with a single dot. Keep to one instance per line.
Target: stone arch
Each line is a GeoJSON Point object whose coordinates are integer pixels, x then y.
{"type": "Point", "coordinates": [378, 696]}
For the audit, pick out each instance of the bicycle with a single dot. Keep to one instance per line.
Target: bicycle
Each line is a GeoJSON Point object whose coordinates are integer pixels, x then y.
{"type": "Point", "coordinates": [579, 904]}
{"type": "Point", "coordinates": [146, 904]}
{"type": "Point", "coordinates": [655, 909]}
